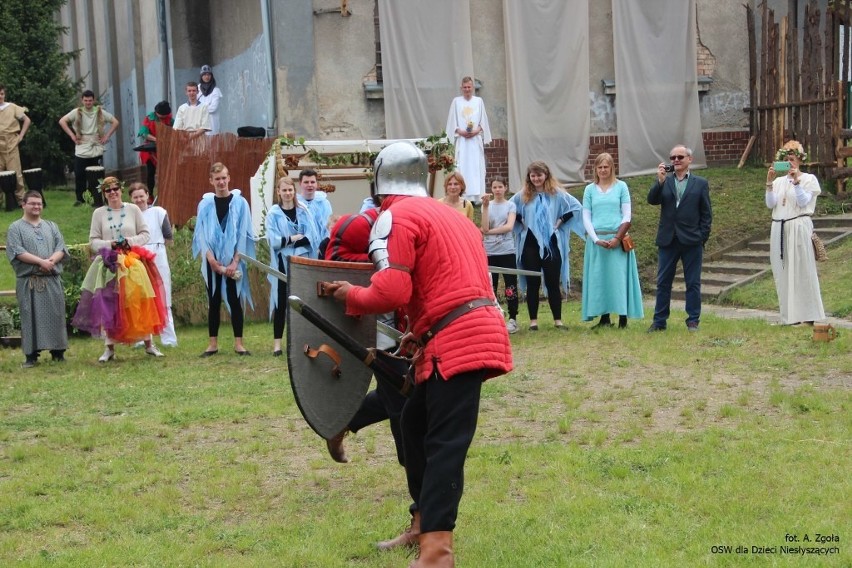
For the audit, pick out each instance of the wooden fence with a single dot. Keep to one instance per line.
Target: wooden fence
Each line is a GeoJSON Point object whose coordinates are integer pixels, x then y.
{"type": "Point", "coordinates": [795, 81]}
{"type": "Point", "coordinates": [184, 160]}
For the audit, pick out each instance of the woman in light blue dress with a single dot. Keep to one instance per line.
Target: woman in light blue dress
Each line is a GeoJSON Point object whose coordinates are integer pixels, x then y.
{"type": "Point", "coordinates": [610, 275]}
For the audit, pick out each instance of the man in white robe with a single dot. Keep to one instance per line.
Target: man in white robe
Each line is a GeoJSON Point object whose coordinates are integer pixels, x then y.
{"type": "Point", "coordinates": [467, 127]}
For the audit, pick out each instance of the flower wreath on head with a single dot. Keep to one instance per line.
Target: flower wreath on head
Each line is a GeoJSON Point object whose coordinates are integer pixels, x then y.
{"type": "Point", "coordinates": [791, 147]}
{"type": "Point", "coordinates": [111, 180]}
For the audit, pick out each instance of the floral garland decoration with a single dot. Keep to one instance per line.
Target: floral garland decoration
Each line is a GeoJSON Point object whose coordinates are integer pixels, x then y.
{"type": "Point", "coordinates": [440, 152]}
{"type": "Point", "coordinates": [781, 155]}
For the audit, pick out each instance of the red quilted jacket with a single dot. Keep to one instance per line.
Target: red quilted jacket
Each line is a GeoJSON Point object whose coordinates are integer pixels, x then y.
{"type": "Point", "coordinates": [437, 264]}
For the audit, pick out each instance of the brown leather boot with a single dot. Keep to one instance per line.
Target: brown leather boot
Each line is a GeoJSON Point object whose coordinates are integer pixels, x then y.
{"type": "Point", "coordinates": [436, 551]}
{"type": "Point", "coordinates": [409, 537]}
{"type": "Point", "coordinates": [336, 449]}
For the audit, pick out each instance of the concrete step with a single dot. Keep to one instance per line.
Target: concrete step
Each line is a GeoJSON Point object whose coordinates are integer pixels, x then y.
{"type": "Point", "coordinates": [761, 246]}
{"type": "Point", "coordinates": [743, 268]}
{"type": "Point", "coordinates": [832, 234]}
{"type": "Point", "coordinates": [748, 257]}
{"type": "Point", "coordinates": [833, 221]}
{"type": "Point", "coordinates": [708, 291]}
{"type": "Point", "coordinates": [827, 234]}
{"type": "Point", "coordinates": [739, 267]}
{"type": "Point", "coordinates": [714, 279]}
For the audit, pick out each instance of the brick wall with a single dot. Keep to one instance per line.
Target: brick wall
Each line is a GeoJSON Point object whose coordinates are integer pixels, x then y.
{"type": "Point", "coordinates": [497, 160]}
{"type": "Point", "coordinates": [722, 148]}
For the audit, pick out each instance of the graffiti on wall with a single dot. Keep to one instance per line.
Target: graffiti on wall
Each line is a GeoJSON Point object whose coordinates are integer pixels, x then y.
{"type": "Point", "coordinates": [246, 88]}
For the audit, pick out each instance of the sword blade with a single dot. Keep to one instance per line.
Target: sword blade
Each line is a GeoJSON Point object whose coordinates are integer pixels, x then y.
{"type": "Point", "coordinates": [384, 328]}
{"type": "Point", "coordinates": [263, 267]}
{"type": "Point", "coordinates": [329, 328]}
{"type": "Point", "coordinates": [283, 277]}
{"type": "Point", "coordinates": [518, 271]}
{"type": "Point", "coordinates": [388, 330]}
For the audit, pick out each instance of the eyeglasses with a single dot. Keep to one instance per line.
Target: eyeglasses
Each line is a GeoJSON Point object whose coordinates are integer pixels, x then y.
{"type": "Point", "coordinates": [113, 190]}
{"type": "Point", "coordinates": [673, 158]}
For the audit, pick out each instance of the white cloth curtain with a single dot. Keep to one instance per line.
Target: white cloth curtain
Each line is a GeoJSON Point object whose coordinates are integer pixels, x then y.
{"type": "Point", "coordinates": [656, 82]}
{"type": "Point", "coordinates": [426, 50]}
{"type": "Point", "coordinates": [547, 71]}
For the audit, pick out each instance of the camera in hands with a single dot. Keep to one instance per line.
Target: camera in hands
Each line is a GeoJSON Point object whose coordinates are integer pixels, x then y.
{"type": "Point", "coordinates": [669, 168]}
{"type": "Point", "coordinates": [781, 167]}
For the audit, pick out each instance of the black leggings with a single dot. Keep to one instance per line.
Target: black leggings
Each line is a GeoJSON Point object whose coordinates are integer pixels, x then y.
{"type": "Point", "coordinates": [551, 264]}
{"type": "Point", "coordinates": [214, 307]}
{"type": "Point", "coordinates": [280, 312]}
{"type": "Point", "coordinates": [509, 280]}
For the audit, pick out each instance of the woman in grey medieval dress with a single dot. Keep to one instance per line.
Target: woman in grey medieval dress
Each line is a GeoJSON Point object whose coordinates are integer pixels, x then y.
{"type": "Point", "coordinates": [36, 249]}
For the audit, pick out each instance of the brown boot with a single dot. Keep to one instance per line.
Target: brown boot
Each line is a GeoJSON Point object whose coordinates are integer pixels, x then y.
{"type": "Point", "coordinates": [409, 537]}
{"type": "Point", "coordinates": [436, 551]}
{"type": "Point", "coordinates": [336, 449]}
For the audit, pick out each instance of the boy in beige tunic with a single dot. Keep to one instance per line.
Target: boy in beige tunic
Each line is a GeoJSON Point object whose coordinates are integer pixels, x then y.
{"type": "Point", "coordinates": [14, 124]}
{"type": "Point", "coordinates": [86, 126]}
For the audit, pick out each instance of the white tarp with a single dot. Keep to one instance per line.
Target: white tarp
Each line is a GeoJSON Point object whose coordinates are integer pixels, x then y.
{"type": "Point", "coordinates": [656, 82]}
{"type": "Point", "coordinates": [426, 50]}
{"type": "Point", "coordinates": [547, 70]}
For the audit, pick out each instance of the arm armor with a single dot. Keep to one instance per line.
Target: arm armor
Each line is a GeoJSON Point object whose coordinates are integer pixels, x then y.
{"type": "Point", "coordinates": [379, 241]}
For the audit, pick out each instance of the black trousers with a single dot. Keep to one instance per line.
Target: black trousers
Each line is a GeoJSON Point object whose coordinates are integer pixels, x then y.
{"type": "Point", "coordinates": [438, 424]}
{"type": "Point", "coordinates": [383, 403]}
{"type": "Point", "coordinates": [279, 313]}
{"type": "Point", "coordinates": [214, 306]}
{"type": "Point", "coordinates": [510, 281]}
{"type": "Point", "coordinates": [80, 165]}
{"type": "Point", "coordinates": [151, 176]}
{"type": "Point", "coordinates": [551, 264]}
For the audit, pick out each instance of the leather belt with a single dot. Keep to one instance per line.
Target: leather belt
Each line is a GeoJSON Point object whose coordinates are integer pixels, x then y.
{"type": "Point", "coordinates": [455, 314]}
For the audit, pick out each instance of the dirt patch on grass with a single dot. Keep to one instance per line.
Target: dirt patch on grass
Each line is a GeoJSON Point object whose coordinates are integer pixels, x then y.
{"type": "Point", "coordinates": [598, 403]}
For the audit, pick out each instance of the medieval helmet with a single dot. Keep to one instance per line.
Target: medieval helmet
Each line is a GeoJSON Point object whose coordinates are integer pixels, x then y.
{"type": "Point", "coordinates": [401, 169]}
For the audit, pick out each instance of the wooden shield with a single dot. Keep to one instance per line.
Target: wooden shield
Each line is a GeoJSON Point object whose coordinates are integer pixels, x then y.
{"type": "Point", "coordinates": [328, 394]}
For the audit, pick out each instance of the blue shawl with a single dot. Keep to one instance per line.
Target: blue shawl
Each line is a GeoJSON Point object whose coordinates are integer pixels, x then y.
{"type": "Point", "coordinates": [238, 236]}
{"type": "Point", "coordinates": [278, 227]}
{"type": "Point", "coordinates": [539, 215]}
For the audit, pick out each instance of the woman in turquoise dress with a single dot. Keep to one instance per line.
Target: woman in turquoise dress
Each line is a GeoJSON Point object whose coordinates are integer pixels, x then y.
{"type": "Point", "coordinates": [610, 275]}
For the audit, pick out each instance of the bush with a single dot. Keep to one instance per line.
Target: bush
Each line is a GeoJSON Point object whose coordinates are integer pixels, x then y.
{"type": "Point", "coordinates": [10, 321]}
{"type": "Point", "coordinates": [73, 272]}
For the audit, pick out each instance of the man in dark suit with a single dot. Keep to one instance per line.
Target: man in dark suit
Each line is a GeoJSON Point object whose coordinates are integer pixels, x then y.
{"type": "Point", "coordinates": [685, 218]}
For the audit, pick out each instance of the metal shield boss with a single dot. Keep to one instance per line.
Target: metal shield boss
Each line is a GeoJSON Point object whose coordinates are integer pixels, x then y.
{"type": "Point", "coordinates": [328, 393]}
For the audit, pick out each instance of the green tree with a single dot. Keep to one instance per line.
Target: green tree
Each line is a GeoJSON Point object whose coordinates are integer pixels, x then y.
{"type": "Point", "coordinates": [33, 68]}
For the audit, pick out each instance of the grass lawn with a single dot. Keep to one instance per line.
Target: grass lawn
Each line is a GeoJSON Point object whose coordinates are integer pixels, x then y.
{"type": "Point", "coordinates": [602, 448]}
{"type": "Point", "coordinates": [611, 448]}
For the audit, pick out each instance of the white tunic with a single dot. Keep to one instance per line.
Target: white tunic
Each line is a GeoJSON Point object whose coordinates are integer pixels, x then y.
{"type": "Point", "coordinates": [192, 117]}
{"type": "Point", "coordinates": [796, 279]}
{"type": "Point", "coordinates": [154, 217]}
{"type": "Point", "coordinates": [470, 152]}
